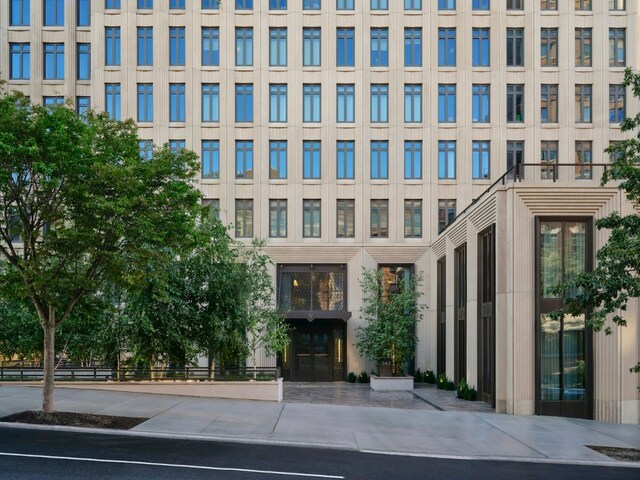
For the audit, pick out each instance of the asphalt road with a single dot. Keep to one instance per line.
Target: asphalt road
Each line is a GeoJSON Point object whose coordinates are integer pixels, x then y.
{"type": "Point", "coordinates": [45, 454]}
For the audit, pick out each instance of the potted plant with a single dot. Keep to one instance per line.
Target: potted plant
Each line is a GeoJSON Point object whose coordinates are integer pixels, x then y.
{"type": "Point", "coordinates": [390, 312]}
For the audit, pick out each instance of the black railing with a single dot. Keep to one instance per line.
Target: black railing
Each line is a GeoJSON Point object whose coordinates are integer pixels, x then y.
{"type": "Point", "coordinates": [540, 173]}
{"type": "Point", "coordinates": [12, 372]}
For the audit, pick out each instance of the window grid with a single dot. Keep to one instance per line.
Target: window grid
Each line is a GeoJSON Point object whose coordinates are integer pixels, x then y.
{"type": "Point", "coordinates": [549, 104]}
{"type": "Point", "coordinates": [112, 46]}
{"type": "Point", "coordinates": [481, 160]}
{"type": "Point", "coordinates": [277, 103]}
{"type": "Point", "coordinates": [244, 218]}
{"type": "Point", "coordinates": [617, 47]}
{"type": "Point", "coordinates": [548, 159]}
{"type": "Point", "coordinates": [177, 102]}
{"type": "Point", "coordinates": [210, 46]}
{"type": "Point", "coordinates": [413, 103]}
{"type": "Point", "coordinates": [112, 100]}
{"type": "Point", "coordinates": [549, 47]}
{"type": "Point", "coordinates": [278, 47]}
{"type": "Point", "coordinates": [345, 218]}
{"type": "Point", "coordinates": [413, 160]}
{"type": "Point", "coordinates": [515, 103]}
{"type": "Point", "coordinates": [311, 46]}
{"type": "Point", "coordinates": [481, 47]}
{"type": "Point", "coordinates": [379, 160]}
{"type": "Point", "coordinates": [20, 68]}
{"type": "Point", "coordinates": [446, 47]}
{"type": "Point", "coordinates": [617, 103]}
{"type": "Point", "coordinates": [54, 61]}
{"type": "Point", "coordinates": [379, 47]}
{"type": "Point", "coordinates": [277, 159]}
{"type": "Point", "coordinates": [311, 159]}
{"type": "Point", "coordinates": [515, 47]}
{"type": "Point", "coordinates": [446, 213]}
{"type": "Point", "coordinates": [446, 103]}
{"type": "Point", "coordinates": [145, 46]}
{"type": "Point", "coordinates": [244, 46]}
{"type": "Point", "coordinates": [583, 103]}
{"type": "Point", "coordinates": [345, 160]}
{"type": "Point", "coordinates": [145, 102]}
{"type": "Point", "coordinates": [278, 218]}
{"type": "Point", "coordinates": [311, 218]}
{"type": "Point", "coordinates": [481, 105]}
{"type": "Point", "coordinates": [244, 159]}
{"type": "Point", "coordinates": [345, 44]}
{"type": "Point", "coordinates": [210, 159]}
{"type": "Point", "coordinates": [379, 219]}
{"type": "Point", "coordinates": [583, 47]}
{"type": "Point", "coordinates": [379, 103]}
{"type": "Point", "coordinates": [583, 160]}
{"type": "Point", "coordinates": [346, 103]}
{"type": "Point", "coordinates": [447, 160]}
{"type": "Point", "coordinates": [311, 103]}
{"type": "Point", "coordinates": [210, 102]}
{"type": "Point", "coordinates": [412, 47]}
{"type": "Point", "coordinates": [413, 218]}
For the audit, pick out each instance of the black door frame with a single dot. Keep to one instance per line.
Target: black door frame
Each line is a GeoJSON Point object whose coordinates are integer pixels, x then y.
{"type": "Point", "coordinates": [460, 313]}
{"type": "Point", "coordinates": [487, 315]}
{"type": "Point", "coordinates": [441, 335]}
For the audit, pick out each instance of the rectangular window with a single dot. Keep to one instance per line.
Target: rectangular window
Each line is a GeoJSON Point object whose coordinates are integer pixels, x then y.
{"type": "Point", "coordinates": [176, 46]}
{"type": "Point", "coordinates": [379, 218]}
{"type": "Point", "coordinates": [446, 47]}
{"type": "Point", "coordinates": [310, 159]}
{"type": "Point", "coordinates": [412, 47]}
{"type": "Point", "coordinates": [447, 160]}
{"type": "Point", "coordinates": [51, 101]}
{"type": "Point", "coordinates": [277, 4]}
{"type": "Point", "coordinates": [379, 4]}
{"type": "Point", "coordinates": [176, 4]}
{"type": "Point", "coordinates": [583, 160]}
{"type": "Point", "coordinates": [210, 46]}
{"type": "Point", "coordinates": [244, 4]}
{"type": "Point", "coordinates": [311, 4]}
{"type": "Point", "coordinates": [515, 47]}
{"type": "Point", "coordinates": [84, 61]}
{"type": "Point", "coordinates": [379, 103]}
{"type": "Point", "coordinates": [617, 47]}
{"type": "Point", "coordinates": [54, 61]}
{"type": "Point", "coordinates": [345, 54]}
{"type": "Point", "coordinates": [112, 4]}
{"type": "Point", "coordinates": [481, 103]}
{"type": "Point", "coordinates": [176, 146]}
{"type": "Point", "coordinates": [549, 104]}
{"type": "Point", "coordinates": [548, 4]}
{"type": "Point", "coordinates": [177, 102]}
{"type": "Point", "coordinates": [20, 14]}
{"type": "Point", "coordinates": [345, 4]}
{"type": "Point", "coordinates": [583, 47]}
{"type": "Point", "coordinates": [617, 5]}
{"type": "Point", "coordinates": [617, 103]}
{"type": "Point", "coordinates": [413, 218]}
{"type": "Point", "coordinates": [244, 159]}
{"type": "Point", "coordinates": [311, 218]}
{"type": "Point", "coordinates": [213, 205]}
{"type": "Point", "coordinates": [210, 102]}
{"type": "Point", "coordinates": [145, 46]}
{"type": "Point", "coordinates": [481, 47]}
{"type": "Point", "coordinates": [244, 47]}
{"type": "Point", "coordinates": [145, 147]}
{"type": "Point", "coordinates": [379, 159]}
{"type": "Point", "coordinates": [480, 160]}
{"type": "Point", "coordinates": [345, 160]}
{"type": "Point", "coordinates": [446, 213]}
{"type": "Point", "coordinates": [83, 13]}
{"type": "Point", "coordinates": [277, 103]}
{"type": "Point", "coordinates": [311, 101]}
{"type": "Point", "coordinates": [278, 47]}
{"type": "Point", "coordinates": [480, 4]}
{"type": "Point", "coordinates": [583, 103]}
{"type": "Point", "coordinates": [379, 47]}
{"type": "Point", "coordinates": [82, 104]}
{"type": "Point", "coordinates": [446, 4]}
{"type": "Point", "coordinates": [413, 103]}
{"type": "Point", "coordinates": [346, 219]}
{"type": "Point", "coordinates": [112, 46]}
{"type": "Point", "coordinates": [515, 159]}
{"type": "Point", "coordinates": [413, 159]}
{"type": "Point", "coordinates": [278, 218]}
{"type": "Point", "coordinates": [548, 159]}
{"type": "Point", "coordinates": [583, 5]}
{"type": "Point", "coordinates": [112, 100]}
{"type": "Point", "coordinates": [311, 47]}
{"type": "Point", "coordinates": [446, 103]}
{"type": "Point", "coordinates": [515, 103]}
{"type": "Point", "coordinates": [346, 103]}
{"type": "Point", "coordinates": [277, 159]}
{"type": "Point", "coordinates": [20, 61]}
{"type": "Point", "coordinates": [145, 102]}
{"type": "Point", "coordinates": [210, 159]}
{"type": "Point", "coordinates": [413, 4]}
{"type": "Point", "coordinates": [515, 4]}
{"type": "Point", "coordinates": [54, 13]}
{"type": "Point", "coordinates": [244, 217]}
{"type": "Point", "coordinates": [145, 4]}
{"type": "Point", "coordinates": [244, 102]}
{"type": "Point", "coordinates": [549, 47]}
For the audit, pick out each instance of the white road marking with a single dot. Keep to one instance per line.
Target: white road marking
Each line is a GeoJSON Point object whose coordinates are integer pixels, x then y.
{"type": "Point", "coordinates": [171, 465]}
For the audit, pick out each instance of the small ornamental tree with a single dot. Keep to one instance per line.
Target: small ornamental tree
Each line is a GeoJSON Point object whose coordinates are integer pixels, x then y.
{"type": "Point", "coordinates": [389, 337]}
{"type": "Point", "coordinates": [80, 209]}
{"type": "Point", "coordinates": [606, 290]}
{"type": "Point", "coordinates": [266, 327]}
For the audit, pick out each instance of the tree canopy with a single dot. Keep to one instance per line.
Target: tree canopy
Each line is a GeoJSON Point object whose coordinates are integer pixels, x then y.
{"type": "Point", "coordinates": [80, 208]}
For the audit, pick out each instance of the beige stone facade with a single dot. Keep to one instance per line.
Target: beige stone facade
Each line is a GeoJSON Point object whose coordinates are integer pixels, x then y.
{"type": "Point", "coordinates": [511, 208]}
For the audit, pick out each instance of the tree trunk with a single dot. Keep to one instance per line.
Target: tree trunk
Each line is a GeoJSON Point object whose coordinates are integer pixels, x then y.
{"type": "Point", "coordinates": [49, 328]}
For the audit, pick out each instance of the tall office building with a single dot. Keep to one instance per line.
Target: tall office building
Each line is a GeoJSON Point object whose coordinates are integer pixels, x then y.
{"type": "Point", "coordinates": [461, 141]}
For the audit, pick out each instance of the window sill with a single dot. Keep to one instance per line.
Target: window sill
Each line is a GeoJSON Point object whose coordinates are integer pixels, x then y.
{"type": "Point", "coordinates": [210, 181]}
{"type": "Point", "coordinates": [112, 68]}
{"type": "Point", "coordinates": [345, 181]}
{"type": "Point", "coordinates": [278, 125]}
{"type": "Point", "coordinates": [243, 124]}
{"type": "Point", "coordinates": [176, 124]}
{"type": "Point", "coordinates": [312, 181]}
{"type": "Point", "coordinates": [481, 125]}
{"type": "Point", "coordinates": [447, 125]}
{"type": "Point", "coordinates": [516, 125]}
{"type": "Point", "coordinates": [413, 125]}
{"type": "Point", "coordinates": [243, 12]}
{"type": "Point", "coordinates": [244, 181]}
{"type": "Point", "coordinates": [583, 125]}
{"type": "Point", "coordinates": [278, 12]}
{"type": "Point", "coordinates": [312, 125]}
{"type": "Point", "coordinates": [481, 181]}
{"type": "Point", "coordinates": [349, 126]}
{"type": "Point", "coordinates": [277, 181]}
{"type": "Point", "coordinates": [549, 125]}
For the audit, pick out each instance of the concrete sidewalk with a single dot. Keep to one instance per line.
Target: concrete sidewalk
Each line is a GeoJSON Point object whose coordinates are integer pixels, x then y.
{"type": "Point", "coordinates": [477, 435]}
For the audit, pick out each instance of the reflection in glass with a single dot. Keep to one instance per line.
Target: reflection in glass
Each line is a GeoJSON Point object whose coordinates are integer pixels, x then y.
{"type": "Point", "coordinates": [323, 291]}
{"type": "Point", "coordinates": [549, 358]}
{"type": "Point", "coordinates": [550, 257]}
{"type": "Point", "coordinates": [574, 358]}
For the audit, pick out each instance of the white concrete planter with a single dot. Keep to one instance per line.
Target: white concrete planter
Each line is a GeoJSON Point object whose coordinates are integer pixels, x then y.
{"type": "Point", "coordinates": [382, 384]}
{"type": "Point", "coordinates": [264, 390]}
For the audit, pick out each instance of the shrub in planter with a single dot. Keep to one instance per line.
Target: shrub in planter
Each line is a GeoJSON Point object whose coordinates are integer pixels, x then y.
{"type": "Point", "coordinates": [418, 377]}
{"type": "Point", "coordinates": [429, 376]}
{"type": "Point", "coordinates": [363, 377]}
{"type": "Point", "coordinates": [444, 383]}
{"type": "Point", "coordinates": [465, 392]}
{"type": "Point", "coordinates": [390, 315]}
{"type": "Point", "coordinates": [351, 377]}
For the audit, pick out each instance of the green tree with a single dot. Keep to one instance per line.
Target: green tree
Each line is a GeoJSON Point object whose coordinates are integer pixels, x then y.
{"type": "Point", "coordinates": [266, 326]}
{"type": "Point", "coordinates": [607, 289]}
{"type": "Point", "coordinates": [389, 337]}
{"type": "Point", "coordinates": [80, 208]}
